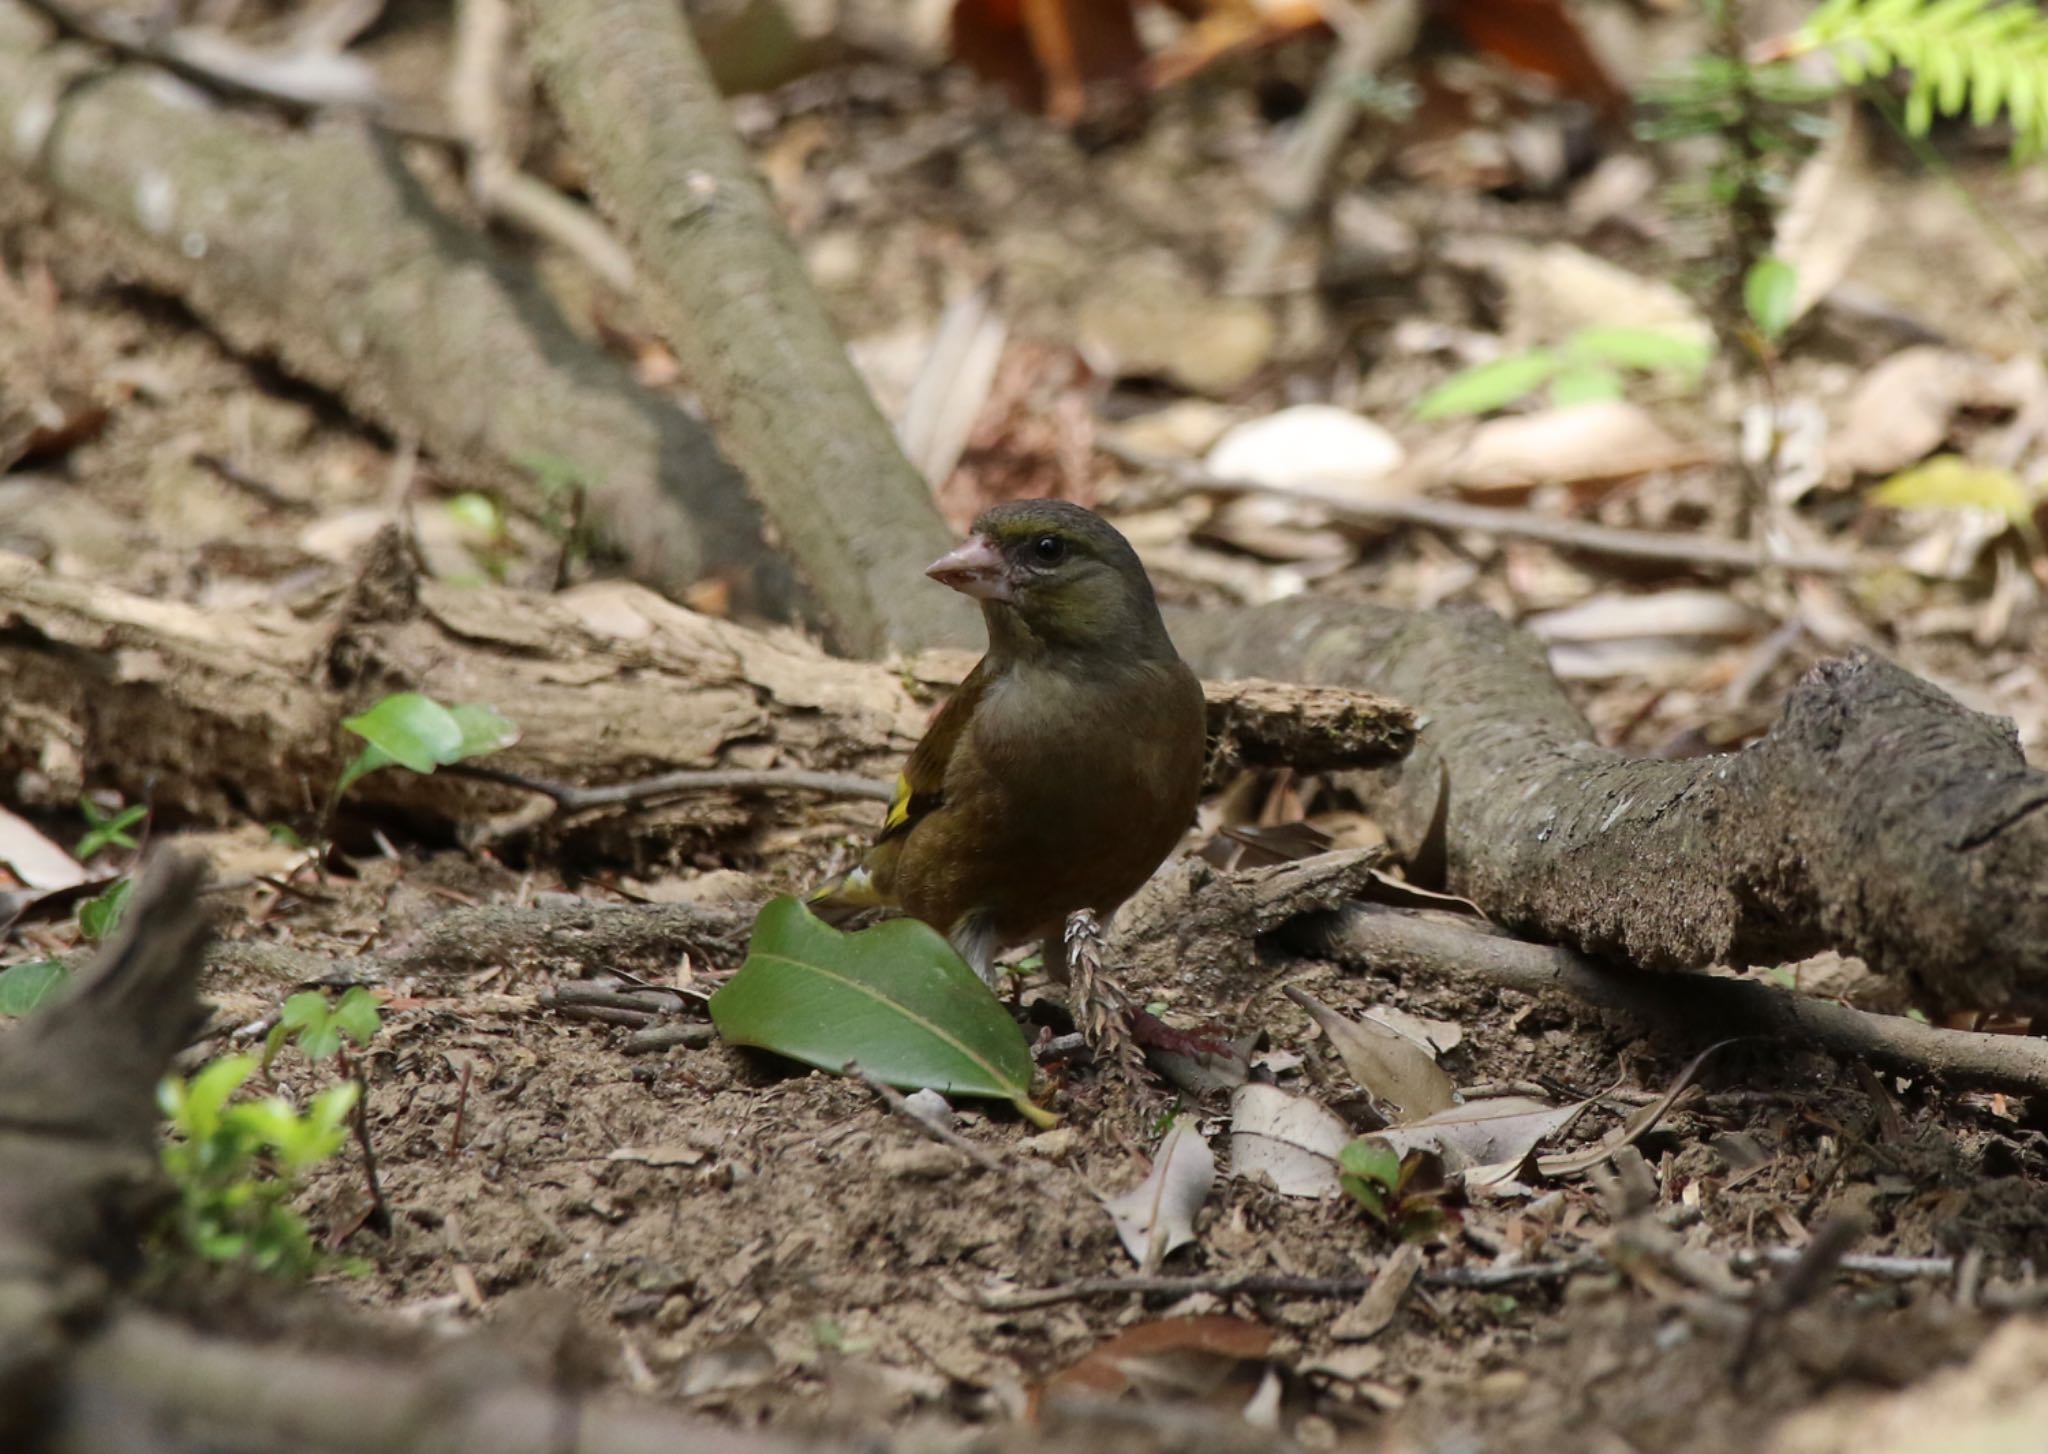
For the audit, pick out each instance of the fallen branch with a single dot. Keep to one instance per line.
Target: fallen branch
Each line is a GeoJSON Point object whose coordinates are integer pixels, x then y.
{"type": "Point", "coordinates": [1879, 816]}
{"type": "Point", "coordinates": [220, 717]}
{"type": "Point", "coordinates": [1425, 943]}
{"type": "Point", "coordinates": [735, 304]}
{"type": "Point", "coordinates": [320, 249]}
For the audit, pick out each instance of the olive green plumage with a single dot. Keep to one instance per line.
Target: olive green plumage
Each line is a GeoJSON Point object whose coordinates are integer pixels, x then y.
{"type": "Point", "coordinates": [1067, 765]}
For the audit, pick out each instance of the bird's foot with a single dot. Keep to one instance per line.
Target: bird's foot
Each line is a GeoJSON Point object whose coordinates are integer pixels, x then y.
{"type": "Point", "coordinates": [1101, 1012]}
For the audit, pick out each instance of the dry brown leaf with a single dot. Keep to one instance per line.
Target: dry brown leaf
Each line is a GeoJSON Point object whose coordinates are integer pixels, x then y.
{"type": "Point", "coordinates": [1902, 410]}
{"type": "Point", "coordinates": [1289, 1140]}
{"type": "Point", "coordinates": [36, 861]}
{"type": "Point", "coordinates": [1371, 1314]}
{"type": "Point", "coordinates": [1185, 1357]}
{"type": "Point", "coordinates": [1496, 1131]}
{"type": "Point", "coordinates": [1158, 1214]}
{"type": "Point", "coordinates": [1831, 210]}
{"type": "Point", "coordinates": [1391, 1067]}
{"type": "Point", "coordinates": [1608, 439]}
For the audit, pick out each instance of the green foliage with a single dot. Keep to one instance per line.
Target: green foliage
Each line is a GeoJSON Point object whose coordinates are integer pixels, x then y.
{"type": "Point", "coordinates": [26, 985]}
{"type": "Point", "coordinates": [100, 916]}
{"type": "Point", "coordinates": [317, 1025]}
{"type": "Point", "coordinates": [1588, 365]}
{"type": "Point", "coordinates": [235, 1164]}
{"type": "Point", "coordinates": [1767, 294]}
{"type": "Point", "coordinates": [417, 732]}
{"type": "Point", "coordinates": [1988, 57]}
{"type": "Point", "coordinates": [1401, 1193]}
{"type": "Point", "coordinates": [896, 1000]}
{"type": "Point", "coordinates": [104, 830]}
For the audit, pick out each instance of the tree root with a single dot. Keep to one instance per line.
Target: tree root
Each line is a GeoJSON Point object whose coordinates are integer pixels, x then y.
{"type": "Point", "coordinates": [1879, 817]}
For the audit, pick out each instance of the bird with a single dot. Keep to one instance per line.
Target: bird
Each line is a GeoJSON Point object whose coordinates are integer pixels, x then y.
{"type": "Point", "coordinates": [1068, 764]}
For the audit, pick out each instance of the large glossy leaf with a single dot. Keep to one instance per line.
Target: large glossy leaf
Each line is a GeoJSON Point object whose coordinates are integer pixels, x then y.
{"type": "Point", "coordinates": [895, 1000]}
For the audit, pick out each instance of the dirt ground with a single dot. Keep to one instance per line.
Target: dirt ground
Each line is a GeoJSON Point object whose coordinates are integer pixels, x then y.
{"type": "Point", "coordinates": [776, 1247]}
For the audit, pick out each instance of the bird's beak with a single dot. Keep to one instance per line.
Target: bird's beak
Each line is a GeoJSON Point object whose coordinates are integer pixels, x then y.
{"type": "Point", "coordinates": [975, 569]}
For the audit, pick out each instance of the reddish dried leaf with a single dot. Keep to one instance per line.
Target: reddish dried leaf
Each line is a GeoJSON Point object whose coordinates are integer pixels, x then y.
{"type": "Point", "coordinates": [1540, 36]}
{"type": "Point", "coordinates": [1202, 1351]}
{"type": "Point", "coordinates": [1047, 53]}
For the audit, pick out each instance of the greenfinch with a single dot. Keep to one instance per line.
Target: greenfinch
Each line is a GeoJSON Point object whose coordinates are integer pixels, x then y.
{"type": "Point", "coordinates": [1069, 762]}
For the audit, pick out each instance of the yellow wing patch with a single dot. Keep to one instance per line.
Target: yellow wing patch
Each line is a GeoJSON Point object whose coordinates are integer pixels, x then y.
{"type": "Point", "coordinates": [899, 806]}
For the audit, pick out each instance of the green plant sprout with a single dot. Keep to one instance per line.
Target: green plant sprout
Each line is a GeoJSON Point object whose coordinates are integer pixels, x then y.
{"type": "Point", "coordinates": [416, 732]}
{"type": "Point", "coordinates": [104, 830]}
{"type": "Point", "coordinates": [101, 915]}
{"type": "Point", "coordinates": [26, 985]}
{"type": "Point", "coordinates": [1588, 365]}
{"type": "Point", "coordinates": [317, 1025]}
{"type": "Point", "coordinates": [235, 1164]}
{"type": "Point", "coordinates": [1401, 1193]}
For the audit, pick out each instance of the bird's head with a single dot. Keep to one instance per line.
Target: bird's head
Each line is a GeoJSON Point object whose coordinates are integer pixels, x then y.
{"type": "Point", "coordinates": [1052, 575]}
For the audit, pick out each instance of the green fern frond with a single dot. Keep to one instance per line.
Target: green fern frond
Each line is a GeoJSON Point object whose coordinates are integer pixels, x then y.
{"type": "Point", "coordinates": [1986, 56]}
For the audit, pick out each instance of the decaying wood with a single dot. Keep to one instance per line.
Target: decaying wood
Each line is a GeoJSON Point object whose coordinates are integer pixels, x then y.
{"type": "Point", "coordinates": [320, 249]}
{"type": "Point", "coordinates": [1879, 817]}
{"type": "Point", "coordinates": [224, 717]}
{"type": "Point", "coordinates": [734, 301]}
{"type": "Point", "coordinates": [1696, 1006]}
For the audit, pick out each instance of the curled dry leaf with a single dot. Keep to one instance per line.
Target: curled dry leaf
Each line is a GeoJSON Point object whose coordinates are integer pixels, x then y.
{"type": "Point", "coordinates": [36, 861]}
{"type": "Point", "coordinates": [1605, 439]}
{"type": "Point", "coordinates": [1289, 1140]}
{"type": "Point", "coordinates": [1831, 210]}
{"type": "Point", "coordinates": [1435, 1036]}
{"type": "Point", "coordinates": [1901, 411]}
{"type": "Point", "coordinates": [1318, 447]}
{"type": "Point", "coordinates": [1391, 1067]}
{"type": "Point", "coordinates": [1158, 1214]}
{"type": "Point", "coordinates": [1371, 1313]}
{"type": "Point", "coordinates": [1499, 1132]}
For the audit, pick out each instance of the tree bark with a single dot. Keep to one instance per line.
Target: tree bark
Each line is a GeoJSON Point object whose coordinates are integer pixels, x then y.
{"type": "Point", "coordinates": [320, 249]}
{"type": "Point", "coordinates": [1879, 817]}
{"type": "Point", "coordinates": [733, 300]}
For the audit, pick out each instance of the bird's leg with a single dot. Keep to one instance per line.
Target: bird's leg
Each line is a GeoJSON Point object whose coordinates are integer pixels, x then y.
{"type": "Point", "coordinates": [1100, 1010]}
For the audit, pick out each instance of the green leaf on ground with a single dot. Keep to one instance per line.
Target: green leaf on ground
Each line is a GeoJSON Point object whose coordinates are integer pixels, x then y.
{"type": "Point", "coordinates": [26, 985]}
{"type": "Point", "coordinates": [1950, 482]}
{"type": "Point", "coordinates": [415, 731]}
{"type": "Point", "coordinates": [896, 1000]}
{"type": "Point", "coordinates": [1490, 386]}
{"type": "Point", "coordinates": [1767, 294]}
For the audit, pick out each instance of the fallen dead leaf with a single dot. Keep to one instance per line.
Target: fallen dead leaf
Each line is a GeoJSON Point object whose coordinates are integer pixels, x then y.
{"type": "Point", "coordinates": [1182, 1357]}
{"type": "Point", "coordinates": [1158, 1214]}
{"type": "Point", "coordinates": [1831, 210]}
{"type": "Point", "coordinates": [1290, 1140]}
{"type": "Point", "coordinates": [1606, 439]}
{"type": "Point", "coordinates": [1387, 1064]}
{"type": "Point", "coordinates": [667, 1154]}
{"type": "Point", "coordinates": [1370, 1315]}
{"type": "Point", "coordinates": [1902, 410]}
{"type": "Point", "coordinates": [1615, 616]}
{"type": "Point", "coordinates": [1435, 1036]}
{"type": "Point", "coordinates": [1494, 1132]}
{"type": "Point", "coordinates": [36, 861]}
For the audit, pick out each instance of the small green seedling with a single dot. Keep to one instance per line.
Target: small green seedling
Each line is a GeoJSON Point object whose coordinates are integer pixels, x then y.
{"type": "Point", "coordinates": [101, 915]}
{"type": "Point", "coordinates": [1401, 1193]}
{"type": "Point", "coordinates": [317, 1025]}
{"type": "Point", "coordinates": [236, 1163]}
{"type": "Point", "coordinates": [1768, 292]}
{"type": "Point", "coordinates": [1587, 366]}
{"type": "Point", "coordinates": [414, 731]}
{"type": "Point", "coordinates": [104, 830]}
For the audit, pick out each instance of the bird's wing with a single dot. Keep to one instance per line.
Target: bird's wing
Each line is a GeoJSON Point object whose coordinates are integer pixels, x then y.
{"type": "Point", "coordinates": [920, 788]}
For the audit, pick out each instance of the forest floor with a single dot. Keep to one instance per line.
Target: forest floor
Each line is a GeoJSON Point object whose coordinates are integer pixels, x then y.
{"type": "Point", "coordinates": [776, 1246]}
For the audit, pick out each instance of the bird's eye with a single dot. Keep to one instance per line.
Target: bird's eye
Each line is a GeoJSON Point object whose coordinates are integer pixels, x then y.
{"type": "Point", "coordinates": [1049, 549]}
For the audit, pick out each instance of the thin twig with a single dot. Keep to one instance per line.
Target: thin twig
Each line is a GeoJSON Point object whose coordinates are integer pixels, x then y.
{"type": "Point", "coordinates": [569, 798]}
{"type": "Point", "coordinates": [379, 1216]}
{"type": "Point", "coordinates": [1380, 937]}
{"type": "Point", "coordinates": [1694, 550]}
{"type": "Point", "coordinates": [1268, 1284]}
{"type": "Point", "coordinates": [944, 1135]}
